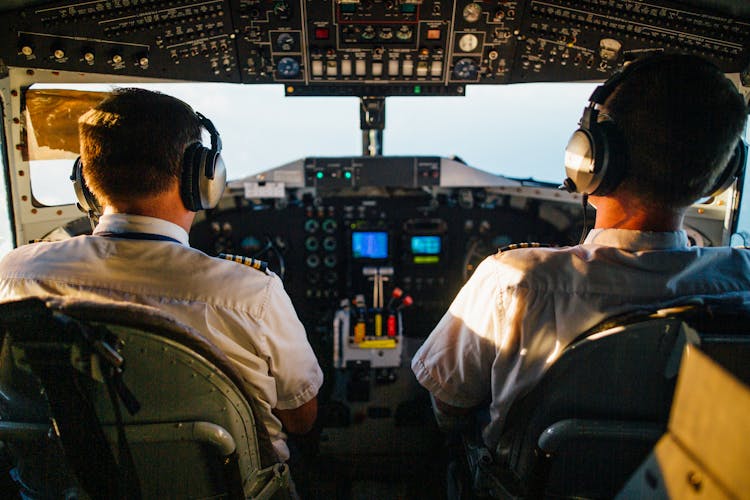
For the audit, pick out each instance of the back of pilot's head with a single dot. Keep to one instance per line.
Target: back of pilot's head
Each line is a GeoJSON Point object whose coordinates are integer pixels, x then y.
{"type": "Point", "coordinates": [681, 120]}
{"type": "Point", "coordinates": [132, 143]}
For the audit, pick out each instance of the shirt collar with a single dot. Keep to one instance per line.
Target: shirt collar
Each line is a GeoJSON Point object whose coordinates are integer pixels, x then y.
{"type": "Point", "coordinates": [628, 239]}
{"type": "Point", "coordinates": [128, 223]}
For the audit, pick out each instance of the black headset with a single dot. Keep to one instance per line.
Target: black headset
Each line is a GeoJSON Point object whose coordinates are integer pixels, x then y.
{"type": "Point", "coordinates": [596, 157]}
{"type": "Point", "coordinates": [204, 176]}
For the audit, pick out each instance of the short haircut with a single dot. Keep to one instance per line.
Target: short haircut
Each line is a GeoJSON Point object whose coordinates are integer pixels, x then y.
{"type": "Point", "coordinates": [132, 143]}
{"type": "Point", "coordinates": [681, 119]}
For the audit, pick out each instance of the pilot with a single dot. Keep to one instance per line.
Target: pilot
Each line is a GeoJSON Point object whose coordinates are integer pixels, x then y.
{"type": "Point", "coordinates": [144, 168]}
{"type": "Point", "coordinates": [673, 127]}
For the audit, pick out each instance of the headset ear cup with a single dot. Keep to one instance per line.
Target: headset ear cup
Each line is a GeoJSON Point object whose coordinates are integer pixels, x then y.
{"type": "Point", "coordinates": [730, 173]}
{"type": "Point", "coordinates": [580, 164]}
{"type": "Point", "coordinates": [87, 202]}
{"type": "Point", "coordinates": [610, 157]}
{"type": "Point", "coordinates": [203, 171]}
{"type": "Point", "coordinates": [212, 188]}
{"type": "Point", "coordinates": [191, 167]}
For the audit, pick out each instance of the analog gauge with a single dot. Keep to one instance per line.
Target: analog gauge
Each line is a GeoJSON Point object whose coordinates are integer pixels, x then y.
{"type": "Point", "coordinates": [472, 12]}
{"type": "Point", "coordinates": [609, 49]}
{"type": "Point", "coordinates": [468, 42]}
{"type": "Point", "coordinates": [465, 69]}
{"type": "Point", "coordinates": [285, 42]}
{"type": "Point", "coordinates": [287, 67]}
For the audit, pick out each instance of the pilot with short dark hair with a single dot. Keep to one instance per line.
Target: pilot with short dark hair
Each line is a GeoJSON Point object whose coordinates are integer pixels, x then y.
{"type": "Point", "coordinates": [674, 126]}
{"type": "Point", "coordinates": [149, 173]}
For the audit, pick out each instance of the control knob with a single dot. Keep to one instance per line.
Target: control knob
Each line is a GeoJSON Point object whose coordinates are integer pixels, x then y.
{"type": "Point", "coordinates": [287, 67]}
{"type": "Point", "coordinates": [465, 69]}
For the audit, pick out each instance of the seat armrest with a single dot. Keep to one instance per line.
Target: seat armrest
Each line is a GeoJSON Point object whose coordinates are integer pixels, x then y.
{"type": "Point", "coordinates": [558, 434]}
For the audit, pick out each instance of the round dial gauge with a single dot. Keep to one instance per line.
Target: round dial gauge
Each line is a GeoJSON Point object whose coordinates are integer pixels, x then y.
{"type": "Point", "coordinates": [465, 69]}
{"type": "Point", "coordinates": [287, 67]}
{"type": "Point", "coordinates": [285, 42]}
{"type": "Point", "coordinates": [468, 42]}
{"type": "Point", "coordinates": [472, 12]}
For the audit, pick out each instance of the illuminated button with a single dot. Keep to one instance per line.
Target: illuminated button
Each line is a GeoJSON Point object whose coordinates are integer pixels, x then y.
{"type": "Point", "coordinates": [422, 68]}
{"type": "Point", "coordinates": [368, 33]}
{"type": "Point", "coordinates": [393, 67]}
{"type": "Point", "coordinates": [346, 67]}
{"type": "Point", "coordinates": [407, 68]}
{"type": "Point", "coordinates": [360, 67]}
{"type": "Point", "coordinates": [433, 34]}
{"type": "Point", "coordinates": [317, 68]}
{"type": "Point", "coordinates": [347, 174]}
{"type": "Point", "coordinates": [322, 33]}
{"type": "Point", "coordinates": [331, 68]}
{"type": "Point", "coordinates": [377, 68]}
{"type": "Point", "coordinates": [437, 68]}
{"type": "Point", "coordinates": [404, 33]}
{"type": "Point", "coordinates": [319, 175]}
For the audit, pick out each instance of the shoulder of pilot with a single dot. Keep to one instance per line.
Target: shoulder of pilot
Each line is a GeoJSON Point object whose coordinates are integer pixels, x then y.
{"type": "Point", "coordinates": [34, 247]}
{"type": "Point", "coordinates": [532, 255]}
{"type": "Point", "coordinates": [528, 250]}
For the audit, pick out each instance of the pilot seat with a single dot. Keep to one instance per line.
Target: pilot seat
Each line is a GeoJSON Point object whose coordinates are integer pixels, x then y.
{"type": "Point", "coordinates": [114, 400]}
{"type": "Point", "coordinates": [600, 408]}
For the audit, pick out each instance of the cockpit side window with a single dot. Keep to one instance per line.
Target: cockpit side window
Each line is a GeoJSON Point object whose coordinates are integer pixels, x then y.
{"type": "Point", "coordinates": [6, 233]}
{"type": "Point", "coordinates": [742, 237]}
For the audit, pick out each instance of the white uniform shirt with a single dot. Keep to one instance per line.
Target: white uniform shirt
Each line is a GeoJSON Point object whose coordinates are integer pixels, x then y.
{"type": "Point", "coordinates": [521, 307]}
{"type": "Point", "coordinates": [244, 312]}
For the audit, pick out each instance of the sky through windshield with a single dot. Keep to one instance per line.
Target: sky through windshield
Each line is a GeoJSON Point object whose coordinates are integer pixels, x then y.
{"type": "Point", "coordinates": [513, 130]}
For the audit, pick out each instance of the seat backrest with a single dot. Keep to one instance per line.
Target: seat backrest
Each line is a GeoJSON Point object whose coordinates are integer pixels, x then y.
{"type": "Point", "coordinates": [195, 432]}
{"type": "Point", "coordinates": [600, 408]}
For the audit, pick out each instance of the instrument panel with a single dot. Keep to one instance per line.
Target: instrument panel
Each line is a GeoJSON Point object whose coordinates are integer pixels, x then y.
{"type": "Point", "coordinates": [387, 253]}
{"type": "Point", "coordinates": [365, 47]}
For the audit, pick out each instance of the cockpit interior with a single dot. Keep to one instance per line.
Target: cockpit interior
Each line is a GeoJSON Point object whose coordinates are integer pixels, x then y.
{"type": "Point", "coordinates": [371, 166]}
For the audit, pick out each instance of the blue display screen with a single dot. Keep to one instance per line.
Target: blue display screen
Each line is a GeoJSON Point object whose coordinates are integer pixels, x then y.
{"type": "Point", "coordinates": [370, 245]}
{"type": "Point", "coordinates": [425, 245]}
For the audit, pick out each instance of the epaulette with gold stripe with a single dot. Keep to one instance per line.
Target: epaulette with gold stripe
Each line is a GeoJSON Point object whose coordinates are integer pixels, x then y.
{"type": "Point", "coordinates": [248, 261]}
{"type": "Point", "coordinates": [530, 244]}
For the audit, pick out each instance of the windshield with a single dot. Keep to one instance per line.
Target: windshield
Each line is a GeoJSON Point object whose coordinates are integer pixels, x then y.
{"type": "Point", "coordinates": [513, 130]}
{"type": "Point", "coordinates": [497, 129]}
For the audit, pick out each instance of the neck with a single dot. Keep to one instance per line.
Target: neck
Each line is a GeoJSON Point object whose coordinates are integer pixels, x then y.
{"type": "Point", "coordinates": [166, 205]}
{"type": "Point", "coordinates": [613, 212]}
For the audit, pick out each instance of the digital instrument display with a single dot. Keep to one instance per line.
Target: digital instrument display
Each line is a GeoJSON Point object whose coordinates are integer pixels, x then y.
{"type": "Point", "coordinates": [370, 245]}
{"type": "Point", "coordinates": [425, 245]}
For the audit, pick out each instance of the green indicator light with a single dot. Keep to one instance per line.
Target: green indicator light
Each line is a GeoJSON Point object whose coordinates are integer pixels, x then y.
{"type": "Point", "coordinates": [417, 89]}
{"type": "Point", "coordinates": [319, 175]}
{"type": "Point", "coordinates": [348, 175]}
{"type": "Point", "coordinates": [426, 259]}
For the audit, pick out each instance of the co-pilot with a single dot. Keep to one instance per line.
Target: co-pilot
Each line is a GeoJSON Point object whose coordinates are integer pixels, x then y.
{"type": "Point", "coordinates": [654, 139]}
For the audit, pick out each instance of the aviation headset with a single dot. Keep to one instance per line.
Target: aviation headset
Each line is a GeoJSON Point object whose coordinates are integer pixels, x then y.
{"type": "Point", "coordinates": [596, 157]}
{"type": "Point", "coordinates": [203, 179]}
